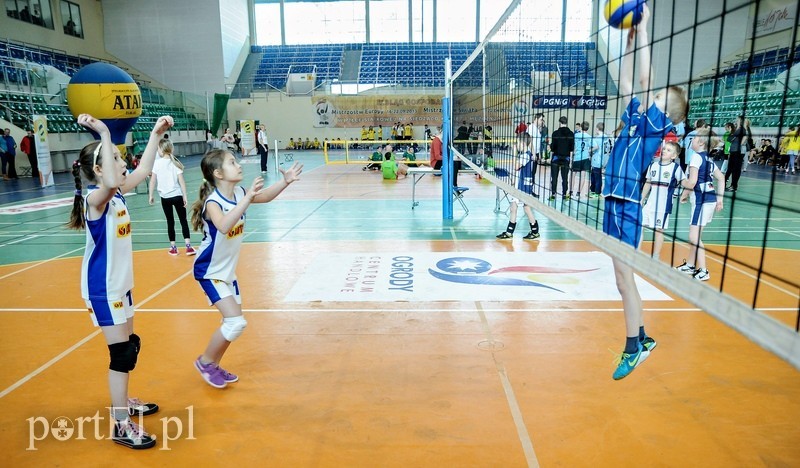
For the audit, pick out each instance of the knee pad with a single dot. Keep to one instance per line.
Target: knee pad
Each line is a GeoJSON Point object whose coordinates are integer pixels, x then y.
{"type": "Point", "coordinates": [232, 327]}
{"type": "Point", "coordinates": [123, 356]}
{"type": "Point", "coordinates": [137, 342]}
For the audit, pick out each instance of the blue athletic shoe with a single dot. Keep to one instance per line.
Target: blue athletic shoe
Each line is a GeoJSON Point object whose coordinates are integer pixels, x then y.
{"type": "Point", "coordinates": [649, 343]}
{"type": "Point", "coordinates": [628, 362]}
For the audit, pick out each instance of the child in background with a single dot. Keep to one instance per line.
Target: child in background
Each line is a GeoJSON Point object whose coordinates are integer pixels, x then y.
{"type": "Point", "coordinates": [410, 157]}
{"type": "Point", "coordinates": [581, 164]}
{"type": "Point", "coordinates": [663, 177]}
{"type": "Point", "coordinates": [524, 167]}
{"type": "Point", "coordinates": [375, 161]}
{"type": "Point", "coordinates": [706, 197]}
{"type": "Point", "coordinates": [167, 175]}
{"type": "Point", "coordinates": [601, 150]}
{"type": "Point", "coordinates": [107, 270]}
{"type": "Point", "coordinates": [220, 212]}
{"type": "Point", "coordinates": [390, 168]}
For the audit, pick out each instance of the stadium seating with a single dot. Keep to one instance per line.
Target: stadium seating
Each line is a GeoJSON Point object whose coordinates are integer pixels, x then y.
{"type": "Point", "coordinates": [419, 64]}
{"type": "Point", "coordinates": [19, 108]}
{"type": "Point", "coordinates": [276, 61]}
{"type": "Point", "coordinates": [749, 87]}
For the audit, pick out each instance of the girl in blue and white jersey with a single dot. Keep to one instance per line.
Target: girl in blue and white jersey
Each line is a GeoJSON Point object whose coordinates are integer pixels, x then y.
{"type": "Point", "coordinates": [220, 213]}
{"type": "Point", "coordinates": [107, 269]}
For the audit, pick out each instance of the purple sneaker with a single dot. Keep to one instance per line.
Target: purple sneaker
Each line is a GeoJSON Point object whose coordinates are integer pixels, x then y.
{"type": "Point", "coordinates": [211, 373]}
{"type": "Point", "coordinates": [229, 378]}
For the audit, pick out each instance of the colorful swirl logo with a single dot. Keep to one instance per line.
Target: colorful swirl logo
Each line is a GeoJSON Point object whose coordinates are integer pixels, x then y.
{"type": "Point", "coordinates": [469, 270]}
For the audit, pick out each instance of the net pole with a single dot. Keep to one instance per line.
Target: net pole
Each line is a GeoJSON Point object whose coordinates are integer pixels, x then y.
{"type": "Point", "coordinates": [447, 155]}
{"type": "Point", "coordinates": [275, 159]}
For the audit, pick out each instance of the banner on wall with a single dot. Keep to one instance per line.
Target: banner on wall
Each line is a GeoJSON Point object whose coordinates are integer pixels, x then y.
{"type": "Point", "coordinates": [386, 110]}
{"type": "Point", "coordinates": [248, 142]}
{"type": "Point", "coordinates": [774, 16]}
{"type": "Point", "coordinates": [559, 101]}
{"type": "Point", "coordinates": [43, 150]}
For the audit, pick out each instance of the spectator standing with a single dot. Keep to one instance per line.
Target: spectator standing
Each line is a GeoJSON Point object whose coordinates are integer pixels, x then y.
{"type": "Point", "coordinates": [263, 146]}
{"type": "Point", "coordinates": [562, 146]}
{"type": "Point", "coordinates": [28, 146]}
{"type": "Point", "coordinates": [10, 152]}
{"type": "Point", "coordinates": [735, 160]}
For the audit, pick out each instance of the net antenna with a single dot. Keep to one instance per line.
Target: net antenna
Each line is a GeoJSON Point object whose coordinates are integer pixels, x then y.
{"type": "Point", "coordinates": [505, 83]}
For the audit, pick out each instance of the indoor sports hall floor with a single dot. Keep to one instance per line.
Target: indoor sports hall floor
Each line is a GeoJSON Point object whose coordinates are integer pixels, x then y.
{"type": "Point", "coordinates": [451, 374]}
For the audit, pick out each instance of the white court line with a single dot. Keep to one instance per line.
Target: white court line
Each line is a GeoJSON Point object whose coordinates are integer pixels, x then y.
{"type": "Point", "coordinates": [785, 232]}
{"type": "Point", "coordinates": [20, 240]}
{"type": "Point", "coordinates": [77, 345]}
{"type": "Point", "coordinates": [42, 262]}
{"type": "Point", "coordinates": [401, 310]}
{"type": "Point", "coordinates": [511, 398]}
{"type": "Point", "coordinates": [49, 363]}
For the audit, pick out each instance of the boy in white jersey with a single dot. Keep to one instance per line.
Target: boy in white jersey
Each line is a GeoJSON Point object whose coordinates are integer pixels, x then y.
{"type": "Point", "coordinates": [220, 213]}
{"type": "Point", "coordinates": [107, 269]}
{"type": "Point", "coordinates": [581, 162]}
{"type": "Point", "coordinates": [663, 177]}
{"type": "Point", "coordinates": [645, 125]}
{"type": "Point", "coordinates": [600, 151]}
{"type": "Point", "coordinates": [706, 185]}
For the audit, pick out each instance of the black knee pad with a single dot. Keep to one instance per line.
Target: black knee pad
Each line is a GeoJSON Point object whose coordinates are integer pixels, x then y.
{"type": "Point", "coordinates": [137, 342]}
{"type": "Point", "coordinates": [123, 356]}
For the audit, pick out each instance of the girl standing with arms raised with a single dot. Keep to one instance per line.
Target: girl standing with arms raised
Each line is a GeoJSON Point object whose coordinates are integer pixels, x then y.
{"type": "Point", "coordinates": [168, 177]}
{"type": "Point", "coordinates": [220, 212]}
{"type": "Point", "coordinates": [107, 270]}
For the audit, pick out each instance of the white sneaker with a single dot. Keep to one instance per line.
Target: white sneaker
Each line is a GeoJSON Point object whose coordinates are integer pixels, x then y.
{"type": "Point", "coordinates": [702, 274]}
{"type": "Point", "coordinates": [686, 268]}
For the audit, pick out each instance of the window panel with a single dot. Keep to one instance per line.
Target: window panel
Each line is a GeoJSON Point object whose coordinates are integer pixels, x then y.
{"type": "Point", "coordinates": [455, 21]}
{"type": "Point", "coordinates": [325, 22]}
{"type": "Point", "coordinates": [71, 19]}
{"type": "Point", "coordinates": [388, 21]}
{"type": "Point", "coordinates": [268, 23]}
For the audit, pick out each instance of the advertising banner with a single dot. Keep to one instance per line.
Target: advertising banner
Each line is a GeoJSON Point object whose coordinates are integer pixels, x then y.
{"type": "Point", "coordinates": [558, 101]}
{"type": "Point", "coordinates": [248, 134]}
{"type": "Point", "coordinates": [43, 150]}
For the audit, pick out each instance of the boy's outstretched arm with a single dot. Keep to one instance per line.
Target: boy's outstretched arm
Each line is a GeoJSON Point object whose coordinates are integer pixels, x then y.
{"type": "Point", "coordinates": [643, 55]}
{"type": "Point", "coordinates": [626, 70]}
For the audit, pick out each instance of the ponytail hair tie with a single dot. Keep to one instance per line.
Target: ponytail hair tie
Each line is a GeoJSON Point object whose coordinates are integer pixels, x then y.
{"type": "Point", "coordinates": [96, 153]}
{"type": "Point", "coordinates": [77, 193]}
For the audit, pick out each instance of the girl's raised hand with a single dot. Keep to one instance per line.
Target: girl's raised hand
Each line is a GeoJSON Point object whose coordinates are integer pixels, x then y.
{"type": "Point", "coordinates": [256, 186]}
{"type": "Point", "coordinates": [163, 124]}
{"type": "Point", "coordinates": [293, 173]}
{"type": "Point", "coordinates": [95, 125]}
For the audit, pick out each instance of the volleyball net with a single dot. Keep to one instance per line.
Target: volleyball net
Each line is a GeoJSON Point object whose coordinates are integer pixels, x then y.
{"type": "Point", "coordinates": [513, 81]}
{"type": "Point", "coordinates": [366, 151]}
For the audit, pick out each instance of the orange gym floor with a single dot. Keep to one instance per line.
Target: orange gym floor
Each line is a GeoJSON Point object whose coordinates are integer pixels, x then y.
{"type": "Point", "coordinates": [418, 382]}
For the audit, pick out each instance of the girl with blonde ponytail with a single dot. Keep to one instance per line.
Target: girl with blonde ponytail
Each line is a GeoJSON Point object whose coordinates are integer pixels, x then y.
{"type": "Point", "coordinates": [167, 175]}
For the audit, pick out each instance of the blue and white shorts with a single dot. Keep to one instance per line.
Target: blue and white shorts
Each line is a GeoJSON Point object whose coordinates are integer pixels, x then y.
{"type": "Point", "coordinates": [107, 312]}
{"type": "Point", "coordinates": [702, 214]}
{"type": "Point", "coordinates": [653, 220]}
{"type": "Point", "coordinates": [217, 290]}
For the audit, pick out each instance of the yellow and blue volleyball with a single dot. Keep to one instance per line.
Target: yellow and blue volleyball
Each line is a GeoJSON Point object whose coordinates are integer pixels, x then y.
{"type": "Point", "coordinates": [107, 93]}
{"type": "Point", "coordinates": [622, 14]}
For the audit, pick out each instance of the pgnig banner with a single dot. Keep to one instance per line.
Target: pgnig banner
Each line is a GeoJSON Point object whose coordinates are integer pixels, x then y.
{"type": "Point", "coordinates": [559, 101]}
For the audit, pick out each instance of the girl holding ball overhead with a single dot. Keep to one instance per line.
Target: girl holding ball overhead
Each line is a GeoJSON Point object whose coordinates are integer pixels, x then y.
{"type": "Point", "coordinates": [107, 270]}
